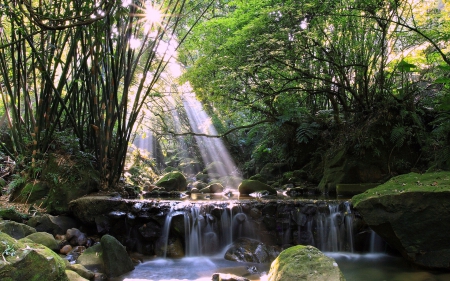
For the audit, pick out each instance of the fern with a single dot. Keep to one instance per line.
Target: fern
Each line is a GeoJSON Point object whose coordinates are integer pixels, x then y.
{"type": "Point", "coordinates": [398, 135]}
{"type": "Point", "coordinates": [306, 132]}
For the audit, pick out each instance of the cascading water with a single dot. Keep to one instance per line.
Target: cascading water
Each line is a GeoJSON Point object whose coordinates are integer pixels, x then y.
{"type": "Point", "coordinates": [205, 233]}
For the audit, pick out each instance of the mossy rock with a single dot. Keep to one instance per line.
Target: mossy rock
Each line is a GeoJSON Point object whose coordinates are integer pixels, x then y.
{"type": "Point", "coordinates": [81, 271]}
{"type": "Point", "coordinates": [29, 261]}
{"type": "Point", "coordinates": [412, 182]}
{"type": "Point", "coordinates": [92, 258]}
{"type": "Point", "coordinates": [258, 177]}
{"type": "Point", "coordinates": [304, 263]}
{"type": "Point", "coordinates": [173, 181]}
{"type": "Point", "coordinates": [250, 186]}
{"type": "Point", "coordinates": [45, 239]}
{"type": "Point", "coordinates": [115, 258]}
{"type": "Point", "coordinates": [409, 212]}
{"type": "Point", "coordinates": [13, 215]}
{"type": "Point", "coordinates": [15, 229]}
{"type": "Point", "coordinates": [80, 179]}
{"type": "Point", "coordinates": [31, 192]}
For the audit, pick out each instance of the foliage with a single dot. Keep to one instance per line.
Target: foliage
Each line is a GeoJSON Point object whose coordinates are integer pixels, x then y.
{"type": "Point", "coordinates": [85, 68]}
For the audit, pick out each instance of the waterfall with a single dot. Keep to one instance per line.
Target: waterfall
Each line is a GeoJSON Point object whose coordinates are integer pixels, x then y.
{"type": "Point", "coordinates": [335, 230]}
{"type": "Point", "coordinates": [166, 229]}
{"type": "Point", "coordinates": [211, 227]}
{"type": "Point", "coordinates": [377, 244]}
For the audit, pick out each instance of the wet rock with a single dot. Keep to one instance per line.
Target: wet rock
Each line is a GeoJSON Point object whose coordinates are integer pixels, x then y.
{"type": "Point", "coordinates": [137, 207]}
{"type": "Point", "coordinates": [250, 250]}
{"type": "Point", "coordinates": [45, 239]}
{"type": "Point", "coordinates": [227, 277]}
{"type": "Point", "coordinates": [15, 229]}
{"type": "Point", "coordinates": [88, 208]}
{"type": "Point", "coordinates": [66, 249]}
{"type": "Point", "coordinates": [52, 224]}
{"type": "Point", "coordinates": [75, 237]}
{"type": "Point", "coordinates": [174, 248]}
{"type": "Point", "coordinates": [103, 224]}
{"type": "Point", "coordinates": [150, 230]}
{"type": "Point", "coordinates": [304, 263]}
{"type": "Point", "coordinates": [75, 253]}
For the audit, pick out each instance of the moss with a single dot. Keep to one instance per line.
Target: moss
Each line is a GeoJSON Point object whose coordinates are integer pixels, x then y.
{"type": "Point", "coordinates": [172, 181]}
{"type": "Point", "coordinates": [250, 186]}
{"type": "Point", "coordinates": [30, 261]}
{"type": "Point", "coordinates": [412, 182]}
{"type": "Point", "coordinates": [304, 263]}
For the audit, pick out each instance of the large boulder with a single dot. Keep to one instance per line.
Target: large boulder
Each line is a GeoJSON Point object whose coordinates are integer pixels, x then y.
{"type": "Point", "coordinates": [26, 260]}
{"type": "Point", "coordinates": [115, 258]}
{"type": "Point", "coordinates": [304, 263]}
{"type": "Point", "coordinates": [410, 212]}
{"type": "Point", "coordinates": [82, 179]}
{"type": "Point", "coordinates": [250, 186]}
{"type": "Point", "coordinates": [15, 229]}
{"type": "Point", "coordinates": [173, 181]}
{"type": "Point", "coordinates": [89, 208]}
{"type": "Point", "coordinates": [52, 224]}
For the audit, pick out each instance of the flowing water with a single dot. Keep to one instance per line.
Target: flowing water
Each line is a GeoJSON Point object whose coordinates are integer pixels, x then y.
{"type": "Point", "coordinates": [207, 239]}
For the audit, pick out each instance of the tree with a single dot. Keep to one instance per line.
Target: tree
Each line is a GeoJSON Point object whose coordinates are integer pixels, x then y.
{"type": "Point", "coordinates": [85, 67]}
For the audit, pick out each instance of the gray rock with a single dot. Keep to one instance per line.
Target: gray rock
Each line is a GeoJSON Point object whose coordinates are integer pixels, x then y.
{"type": "Point", "coordinates": [52, 224]}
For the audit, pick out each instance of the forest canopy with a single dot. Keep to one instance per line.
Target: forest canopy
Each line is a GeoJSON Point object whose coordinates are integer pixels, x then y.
{"type": "Point", "coordinates": [293, 82]}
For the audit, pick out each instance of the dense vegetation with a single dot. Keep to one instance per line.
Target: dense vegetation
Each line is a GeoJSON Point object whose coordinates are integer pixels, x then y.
{"type": "Point", "coordinates": [305, 81]}
{"type": "Point", "coordinates": [369, 77]}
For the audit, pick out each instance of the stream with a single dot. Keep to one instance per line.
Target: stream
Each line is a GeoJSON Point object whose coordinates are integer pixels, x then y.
{"type": "Point", "coordinates": [355, 267]}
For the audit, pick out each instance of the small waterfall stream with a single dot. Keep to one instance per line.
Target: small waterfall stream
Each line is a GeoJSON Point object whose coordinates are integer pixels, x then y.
{"type": "Point", "coordinates": [209, 230]}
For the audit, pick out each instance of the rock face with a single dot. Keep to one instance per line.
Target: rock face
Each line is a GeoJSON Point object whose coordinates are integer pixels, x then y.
{"type": "Point", "coordinates": [26, 260]}
{"type": "Point", "coordinates": [304, 263]}
{"type": "Point", "coordinates": [411, 213]}
{"type": "Point", "coordinates": [251, 186]}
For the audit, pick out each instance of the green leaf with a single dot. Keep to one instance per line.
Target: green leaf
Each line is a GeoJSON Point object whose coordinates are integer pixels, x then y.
{"type": "Point", "coordinates": [404, 66]}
